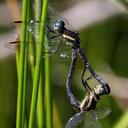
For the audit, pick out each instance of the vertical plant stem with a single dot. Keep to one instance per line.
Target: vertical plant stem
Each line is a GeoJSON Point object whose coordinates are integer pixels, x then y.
{"type": "Point", "coordinates": [17, 61]}
{"type": "Point", "coordinates": [21, 68]}
{"type": "Point", "coordinates": [25, 69]}
{"type": "Point", "coordinates": [40, 102]}
{"type": "Point", "coordinates": [24, 88]}
{"type": "Point", "coordinates": [38, 66]}
{"type": "Point", "coordinates": [38, 7]}
{"type": "Point", "coordinates": [48, 94]}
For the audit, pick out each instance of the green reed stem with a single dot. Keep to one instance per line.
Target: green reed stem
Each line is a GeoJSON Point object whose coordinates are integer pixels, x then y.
{"type": "Point", "coordinates": [26, 66]}
{"type": "Point", "coordinates": [24, 87]}
{"type": "Point", "coordinates": [48, 94]}
{"type": "Point", "coordinates": [40, 103]}
{"type": "Point", "coordinates": [21, 68]}
{"type": "Point", "coordinates": [38, 66]}
{"type": "Point", "coordinates": [17, 61]}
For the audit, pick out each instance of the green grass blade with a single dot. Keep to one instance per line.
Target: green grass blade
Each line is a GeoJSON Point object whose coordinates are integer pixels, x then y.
{"type": "Point", "coordinates": [21, 68]}
{"type": "Point", "coordinates": [17, 60]}
{"type": "Point", "coordinates": [48, 94]}
{"type": "Point", "coordinates": [38, 66]}
{"type": "Point", "coordinates": [24, 87]}
{"type": "Point", "coordinates": [40, 104]}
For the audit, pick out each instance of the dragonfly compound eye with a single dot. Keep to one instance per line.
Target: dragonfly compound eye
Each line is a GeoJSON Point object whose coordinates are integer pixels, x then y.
{"type": "Point", "coordinates": [58, 26]}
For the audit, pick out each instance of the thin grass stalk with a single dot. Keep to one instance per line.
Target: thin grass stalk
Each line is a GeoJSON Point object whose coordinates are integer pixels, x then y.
{"type": "Point", "coordinates": [24, 88]}
{"type": "Point", "coordinates": [17, 61]}
{"type": "Point", "coordinates": [21, 68]}
{"type": "Point", "coordinates": [38, 66]}
{"type": "Point", "coordinates": [48, 94]}
{"type": "Point", "coordinates": [31, 47]}
{"type": "Point", "coordinates": [38, 7]}
{"type": "Point", "coordinates": [25, 74]}
{"type": "Point", "coordinates": [25, 68]}
{"type": "Point", "coordinates": [40, 103]}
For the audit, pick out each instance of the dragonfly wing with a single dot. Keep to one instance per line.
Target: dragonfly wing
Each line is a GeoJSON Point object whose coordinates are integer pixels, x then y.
{"type": "Point", "coordinates": [75, 120]}
{"type": "Point", "coordinates": [89, 121]}
{"type": "Point", "coordinates": [56, 15]}
{"type": "Point", "coordinates": [64, 51]}
{"type": "Point", "coordinates": [93, 124]}
{"type": "Point", "coordinates": [53, 39]}
{"type": "Point", "coordinates": [50, 47]}
{"type": "Point", "coordinates": [102, 113]}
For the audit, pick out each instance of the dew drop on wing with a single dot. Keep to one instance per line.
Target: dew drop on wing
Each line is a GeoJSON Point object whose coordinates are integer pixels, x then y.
{"type": "Point", "coordinates": [64, 55]}
{"type": "Point", "coordinates": [31, 27]}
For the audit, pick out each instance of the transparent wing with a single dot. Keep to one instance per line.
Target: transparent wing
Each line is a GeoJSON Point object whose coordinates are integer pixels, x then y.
{"type": "Point", "coordinates": [75, 120]}
{"type": "Point", "coordinates": [64, 51]}
{"type": "Point", "coordinates": [89, 121]}
{"type": "Point", "coordinates": [53, 39]}
{"type": "Point", "coordinates": [53, 14]}
{"type": "Point", "coordinates": [52, 47]}
{"type": "Point", "coordinates": [91, 118]}
{"type": "Point", "coordinates": [102, 113]}
{"type": "Point", "coordinates": [49, 48]}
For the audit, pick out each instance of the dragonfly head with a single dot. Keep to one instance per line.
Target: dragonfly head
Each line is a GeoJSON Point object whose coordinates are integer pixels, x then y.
{"type": "Point", "coordinates": [58, 26]}
{"type": "Point", "coordinates": [99, 90]}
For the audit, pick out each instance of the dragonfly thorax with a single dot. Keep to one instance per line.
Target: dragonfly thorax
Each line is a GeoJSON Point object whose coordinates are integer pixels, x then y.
{"type": "Point", "coordinates": [72, 37]}
{"type": "Point", "coordinates": [89, 103]}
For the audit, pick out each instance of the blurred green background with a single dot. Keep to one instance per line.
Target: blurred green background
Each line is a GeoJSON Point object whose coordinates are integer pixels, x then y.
{"type": "Point", "coordinates": [106, 44]}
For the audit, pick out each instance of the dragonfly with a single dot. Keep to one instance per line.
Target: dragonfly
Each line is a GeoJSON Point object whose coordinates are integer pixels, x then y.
{"type": "Point", "coordinates": [55, 44]}
{"type": "Point", "coordinates": [88, 116]}
{"type": "Point", "coordinates": [61, 34]}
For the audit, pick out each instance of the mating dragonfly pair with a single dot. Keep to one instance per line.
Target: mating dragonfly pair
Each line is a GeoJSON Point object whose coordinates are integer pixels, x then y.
{"type": "Point", "coordinates": [61, 35]}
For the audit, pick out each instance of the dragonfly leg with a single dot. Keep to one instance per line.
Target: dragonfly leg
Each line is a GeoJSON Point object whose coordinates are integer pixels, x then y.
{"type": "Point", "coordinates": [73, 100]}
{"type": "Point", "coordinates": [97, 77]}
{"type": "Point", "coordinates": [84, 82]}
